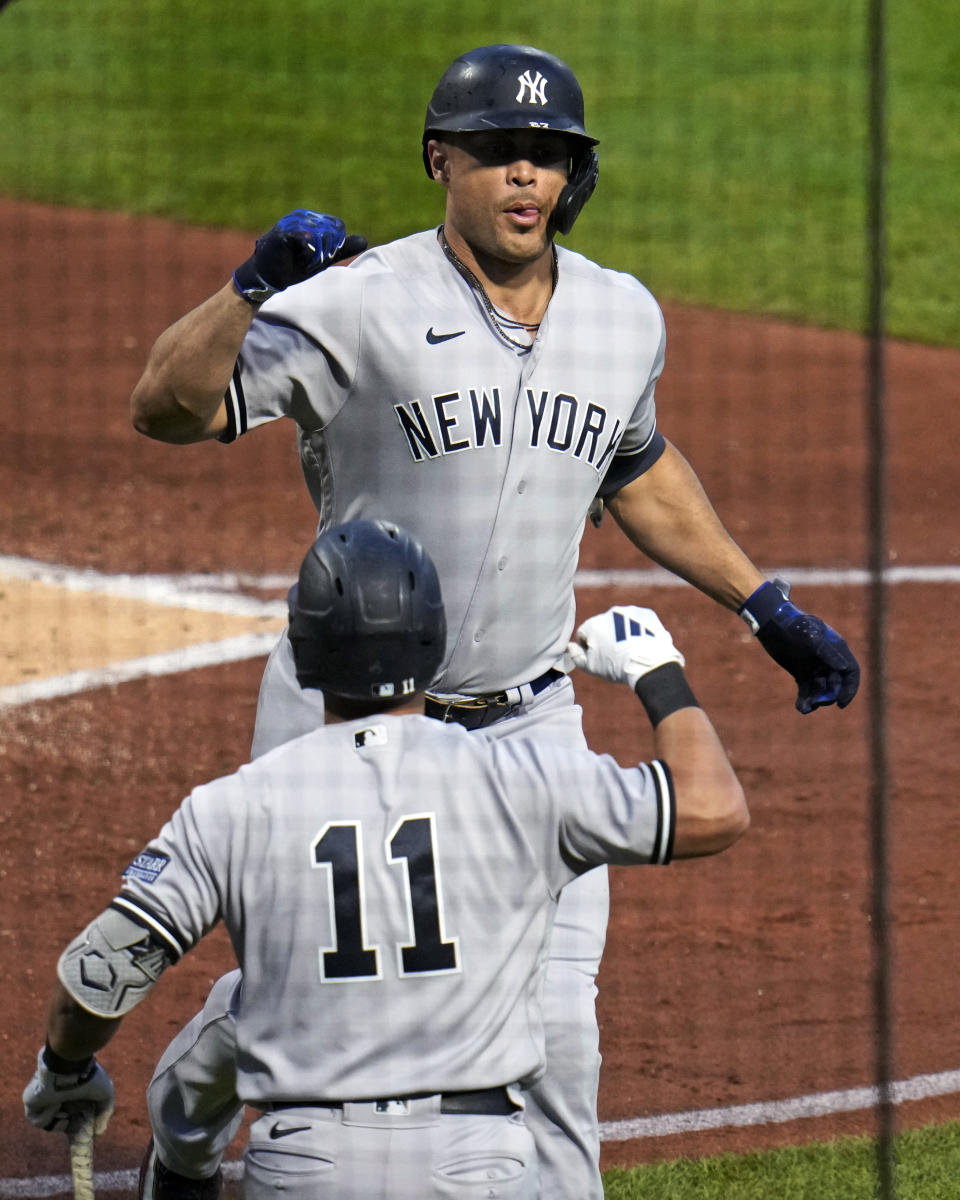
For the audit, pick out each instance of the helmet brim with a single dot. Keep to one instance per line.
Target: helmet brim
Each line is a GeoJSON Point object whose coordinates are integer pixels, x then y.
{"type": "Point", "coordinates": [482, 123]}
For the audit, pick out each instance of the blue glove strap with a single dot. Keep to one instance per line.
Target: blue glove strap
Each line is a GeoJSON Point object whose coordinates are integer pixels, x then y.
{"type": "Point", "coordinates": [250, 284]}
{"type": "Point", "coordinates": [299, 246]}
{"type": "Point", "coordinates": [765, 603]}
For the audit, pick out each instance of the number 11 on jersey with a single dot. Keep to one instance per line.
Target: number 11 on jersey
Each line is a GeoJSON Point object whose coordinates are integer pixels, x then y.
{"type": "Point", "coordinates": [411, 846]}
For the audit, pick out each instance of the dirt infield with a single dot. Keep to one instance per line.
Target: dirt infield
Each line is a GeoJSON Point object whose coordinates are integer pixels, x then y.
{"type": "Point", "coordinates": [745, 978]}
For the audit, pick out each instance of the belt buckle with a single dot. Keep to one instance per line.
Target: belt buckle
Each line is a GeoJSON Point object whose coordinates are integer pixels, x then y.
{"type": "Point", "coordinates": [473, 713]}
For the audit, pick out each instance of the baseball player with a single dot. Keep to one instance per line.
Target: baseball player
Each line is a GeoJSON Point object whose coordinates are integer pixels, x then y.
{"type": "Point", "coordinates": [388, 882]}
{"type": "Point", "coordinates": [485, 389]}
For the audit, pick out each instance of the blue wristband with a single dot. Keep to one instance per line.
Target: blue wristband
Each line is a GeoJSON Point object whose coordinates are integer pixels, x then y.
{"type": "Point", "coordinates": [763, 605]}
{"type": "Point", "coordinates": [251, 285]}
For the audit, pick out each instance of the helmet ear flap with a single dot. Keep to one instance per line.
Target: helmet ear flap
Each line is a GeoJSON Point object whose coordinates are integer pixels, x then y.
{"type": "Point", "coordinates": [579, 189]}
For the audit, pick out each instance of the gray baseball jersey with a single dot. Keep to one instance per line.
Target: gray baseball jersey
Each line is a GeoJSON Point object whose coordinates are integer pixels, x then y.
{"type": "Point", "coordinates": [389, 888]}
{"type": "Point", "coordinates": [412, 406]}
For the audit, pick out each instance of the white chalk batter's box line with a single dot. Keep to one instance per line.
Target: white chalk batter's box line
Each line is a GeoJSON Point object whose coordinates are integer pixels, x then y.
{"type": "Point", "coordinates": [221, 593]}
{"type": "Point", "coordinates": [772, 1112]}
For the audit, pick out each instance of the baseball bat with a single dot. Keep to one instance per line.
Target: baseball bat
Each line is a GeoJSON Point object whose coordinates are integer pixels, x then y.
{"type": "Point", "coordinates": [80, 1137]}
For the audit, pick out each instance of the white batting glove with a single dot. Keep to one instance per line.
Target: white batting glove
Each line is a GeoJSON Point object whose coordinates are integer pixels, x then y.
{"type": "Point", "coordinates": [52, 1101]}
{"type": "Point", "coordinates": [622, 645]}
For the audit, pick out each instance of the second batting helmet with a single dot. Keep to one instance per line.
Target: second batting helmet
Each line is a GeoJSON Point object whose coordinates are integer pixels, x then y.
{"type": "Point", "coordinates": [366, 615]}
{"type": "Point", "coordinates": [517, 87]}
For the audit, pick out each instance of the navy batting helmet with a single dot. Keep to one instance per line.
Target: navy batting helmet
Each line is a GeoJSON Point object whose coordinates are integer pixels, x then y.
{"type": "Point", "coordinates": [517, 87]}
{"type": "Point", "coordinates": [366, 615]}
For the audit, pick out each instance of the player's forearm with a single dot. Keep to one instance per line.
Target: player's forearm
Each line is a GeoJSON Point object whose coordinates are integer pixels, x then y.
{"type": "Point", "coordinates": [711, 809]}
{"type": "Point", "coordinates": [667, 515]}
{"type": "Point", "coordinates": [179, 397]}
{"type": "Point", "coordinates": [73, 1033]}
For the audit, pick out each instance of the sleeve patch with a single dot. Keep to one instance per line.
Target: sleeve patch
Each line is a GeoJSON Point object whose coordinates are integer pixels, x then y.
{"type": "Point", "coordinates": [147, 866]}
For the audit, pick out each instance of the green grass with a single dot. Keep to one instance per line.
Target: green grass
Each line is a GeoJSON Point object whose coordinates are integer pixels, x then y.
{"type": "Point", "coordinates": [733, 133]}
{"type": "Point", "coordinates": [926, 1167]}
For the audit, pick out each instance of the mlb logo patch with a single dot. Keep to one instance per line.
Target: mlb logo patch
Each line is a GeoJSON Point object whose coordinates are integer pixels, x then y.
{"type": "Point", "coordinates": [146, 866]}
{"type": "Point", "coordinates": [376, 735]}
{"type": "Point", "coordinates": [391, 1108]}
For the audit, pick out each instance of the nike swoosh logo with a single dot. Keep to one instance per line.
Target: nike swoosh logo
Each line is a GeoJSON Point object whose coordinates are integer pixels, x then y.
{"type": "Point", "coordinates": [436, 338]}
{"type": "Point", "coordinates": [278, 1130]}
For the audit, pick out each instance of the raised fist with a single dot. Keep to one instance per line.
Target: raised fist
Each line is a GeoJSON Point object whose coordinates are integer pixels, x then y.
{"type": "Point", "coordinates": [299, 246]}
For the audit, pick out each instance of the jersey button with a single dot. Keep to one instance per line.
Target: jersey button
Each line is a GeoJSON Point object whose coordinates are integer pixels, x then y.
{"type": "Point", "coordinates": [501, 564]}
{"type": "Point", "coordinates": [521, 487]}
{"type": "Point", "coordinates": [478, 636]}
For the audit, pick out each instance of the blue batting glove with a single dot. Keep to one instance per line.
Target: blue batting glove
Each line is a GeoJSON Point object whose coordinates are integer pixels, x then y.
{"type": "Point", "coordinates": [300, 245]}
{"type": "Point", "coordinates": [815, 655]}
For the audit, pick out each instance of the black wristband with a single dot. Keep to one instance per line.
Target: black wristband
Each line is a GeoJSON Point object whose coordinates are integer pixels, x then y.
{"type": "Point", "coordinates": [66, 1066]}
{"type": "Point", "coordinates": [664, 690]}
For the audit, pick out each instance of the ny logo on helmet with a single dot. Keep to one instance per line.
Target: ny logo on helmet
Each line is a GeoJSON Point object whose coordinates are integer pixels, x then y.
{"type": "Point", "coordinates": [536, 88]}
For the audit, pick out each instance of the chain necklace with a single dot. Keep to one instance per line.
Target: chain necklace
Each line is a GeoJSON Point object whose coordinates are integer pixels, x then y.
{"type": "Point", "coordinates": [496, 317]}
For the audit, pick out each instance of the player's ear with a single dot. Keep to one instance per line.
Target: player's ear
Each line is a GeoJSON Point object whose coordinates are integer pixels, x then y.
{"type": "Point", "coordinates": [439, 161]}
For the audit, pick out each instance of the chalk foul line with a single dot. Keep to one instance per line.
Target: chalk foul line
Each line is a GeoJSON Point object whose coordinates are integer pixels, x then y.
{"type": "Point", "coordinates": [801, 576]}
{"type": "Point", "coordinates": [770, 1112]}
{"type": "Point", "coordinates": [220, 593]}
{"type": "Point", "coordinates": [103, 1181]}
{"type": "Point", "coordinates": [776, 1112]}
